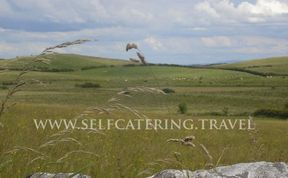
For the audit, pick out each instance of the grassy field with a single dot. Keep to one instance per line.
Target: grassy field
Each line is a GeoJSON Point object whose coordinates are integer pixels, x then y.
{"type": "Point", "coordinates": [208, 93]}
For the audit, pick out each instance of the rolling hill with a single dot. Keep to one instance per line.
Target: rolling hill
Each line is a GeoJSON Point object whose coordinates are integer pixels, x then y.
{"type": "Point", "coordinates": [62, 63]}
{"type": "Point", "coordinates": [268, 66]}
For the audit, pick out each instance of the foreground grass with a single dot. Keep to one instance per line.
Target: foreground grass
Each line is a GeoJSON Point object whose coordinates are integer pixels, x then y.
{"type": "Point", "coordinates": [128, 153]}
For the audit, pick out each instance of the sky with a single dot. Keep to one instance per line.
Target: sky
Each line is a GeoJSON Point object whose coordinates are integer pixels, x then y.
{"type": "Point", "coordinates": [167, 31]}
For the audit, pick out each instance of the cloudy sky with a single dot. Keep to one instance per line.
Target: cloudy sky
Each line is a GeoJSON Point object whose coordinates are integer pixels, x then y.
{"type": "Point", "coordinates": [167, 31]}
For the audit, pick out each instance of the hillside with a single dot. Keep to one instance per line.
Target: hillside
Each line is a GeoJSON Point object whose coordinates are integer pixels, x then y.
{"type": "Point", "coordinates": [274, 66]}
{"type": "Point", "coordinates": [62, 62]}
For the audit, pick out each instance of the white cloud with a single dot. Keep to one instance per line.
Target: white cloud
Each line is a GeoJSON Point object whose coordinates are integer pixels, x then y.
{"type": "Point", "coordinates": [265, 7]}
{"type": "Point", "coordinates": [217, 41]}
{"type": "Point", "coordinates": [154, 43]}
{"type": "Point", "coordinates": [208, 9]}
{"type": "Point", "coordinates": [227, 11]}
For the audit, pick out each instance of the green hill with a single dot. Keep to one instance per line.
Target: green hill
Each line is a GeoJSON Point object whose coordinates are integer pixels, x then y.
{"type": "Point", "coordinates": [62, 62]}
{"type": "Point", "coordinates": [273, 66]}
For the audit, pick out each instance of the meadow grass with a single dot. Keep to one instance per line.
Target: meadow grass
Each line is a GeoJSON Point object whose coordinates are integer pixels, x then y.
{"type": "Point", "coordinates": [208, 93]}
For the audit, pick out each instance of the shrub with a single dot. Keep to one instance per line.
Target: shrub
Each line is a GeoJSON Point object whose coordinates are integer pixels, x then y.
{"type": "Point", "coordinates": [9, 83]}
{"type": "Point", "coordinates": [168, 90]}
{"type": "Point", "coordinates": [88, 85]}
{"type": "Point", "coordinates": [47, 69]}
{"type": "Point", "coordinates": [3, 87]}
{"type": "Point", "coordinates": [272, 113]}
{"type": "Point", "coordinates": [225, 111]}
{"type": "Point", "coordinates": [286, 106]}
{"type": "Point", "coordinates": [93, 67]}
{"type": "Point", "coordinates": [182, 108]}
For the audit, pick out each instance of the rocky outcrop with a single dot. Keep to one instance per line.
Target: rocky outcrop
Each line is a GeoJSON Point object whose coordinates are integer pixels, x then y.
{"type": "Point", "coordinates": [242, 170]}
{"type": "Point", "coordinates": [57, 175]}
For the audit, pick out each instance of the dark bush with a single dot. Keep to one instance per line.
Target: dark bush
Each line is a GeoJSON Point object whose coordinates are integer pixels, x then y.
{"type": "Point", "coordinates": [88, 85]}
{"type": "Point", "coordinates": [272, 113]}
{"type": "Point", "coordinates": [286, 106]}
{"type": "Point", "coordinates": [58, 70]}
{"type": "Point", "coordinates": [93, 67]}
{"type": "Point", "coordinates": [47, 69]}
{"type": "Point", "coordinates": [3, 87]}
{"type": "Point", "coordinates": [168, 90]}
{"type": "Point", "coordinates": [8, 83]}
{"type": "Point", "coordinates": [182, 108]}
{"type": "Point", "coordinates": [225, 111]}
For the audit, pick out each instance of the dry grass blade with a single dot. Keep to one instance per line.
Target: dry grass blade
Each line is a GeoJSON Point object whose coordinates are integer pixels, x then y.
{"type": "Point", "coordinates": [23, 148]}
{"type": "Point", "coordinates": [175, 140]}
{"type": "Point", "coordinates": [221, 156]}
{"type": "Point", "coordinates": [189, 144]}
{"type": "Point", "coordinates": [186, 141]}
{"type": "Point", "coordinates": [76, 151]}
{"type": "Point", "coordinates": [145, 172]}
{"type": "Point", "coordinates": [55, 142]}
{"type": "Point", "coordinates": [96, 111]}
{"type": "Point", "coordinates": [61, 133]}
{"type": "Point", "coordinates": [113, 100]}
{"type": "Point", "coordinates": [93, 131]}
{"type": "Point", "coordinates": [207, 153]}
{"type": "Point", "coordinates": [36, 159]}
{"type": "Point", "coordinates": [124, 93]}
{"type": "Point", "coordinates": [133, 111]}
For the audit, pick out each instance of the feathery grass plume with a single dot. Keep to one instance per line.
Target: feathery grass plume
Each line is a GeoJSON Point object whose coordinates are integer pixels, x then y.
{"type": "Point", "coordinates": [186, 141]}
{"type": "Point", "coordinates": [64, 45]}
{"type": "Point", "coordinates": [140, 55]}
{"type": "Point", "coordinates": [19, 82]}
{"type": "Point", "coordinates": [16, 88]}
{"type": "Point", "coordinates": [142, 58]}
{"type": "Point", "coordinates": [131, 46]}
{"type": "Point", "coordinates": [114, 105]}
